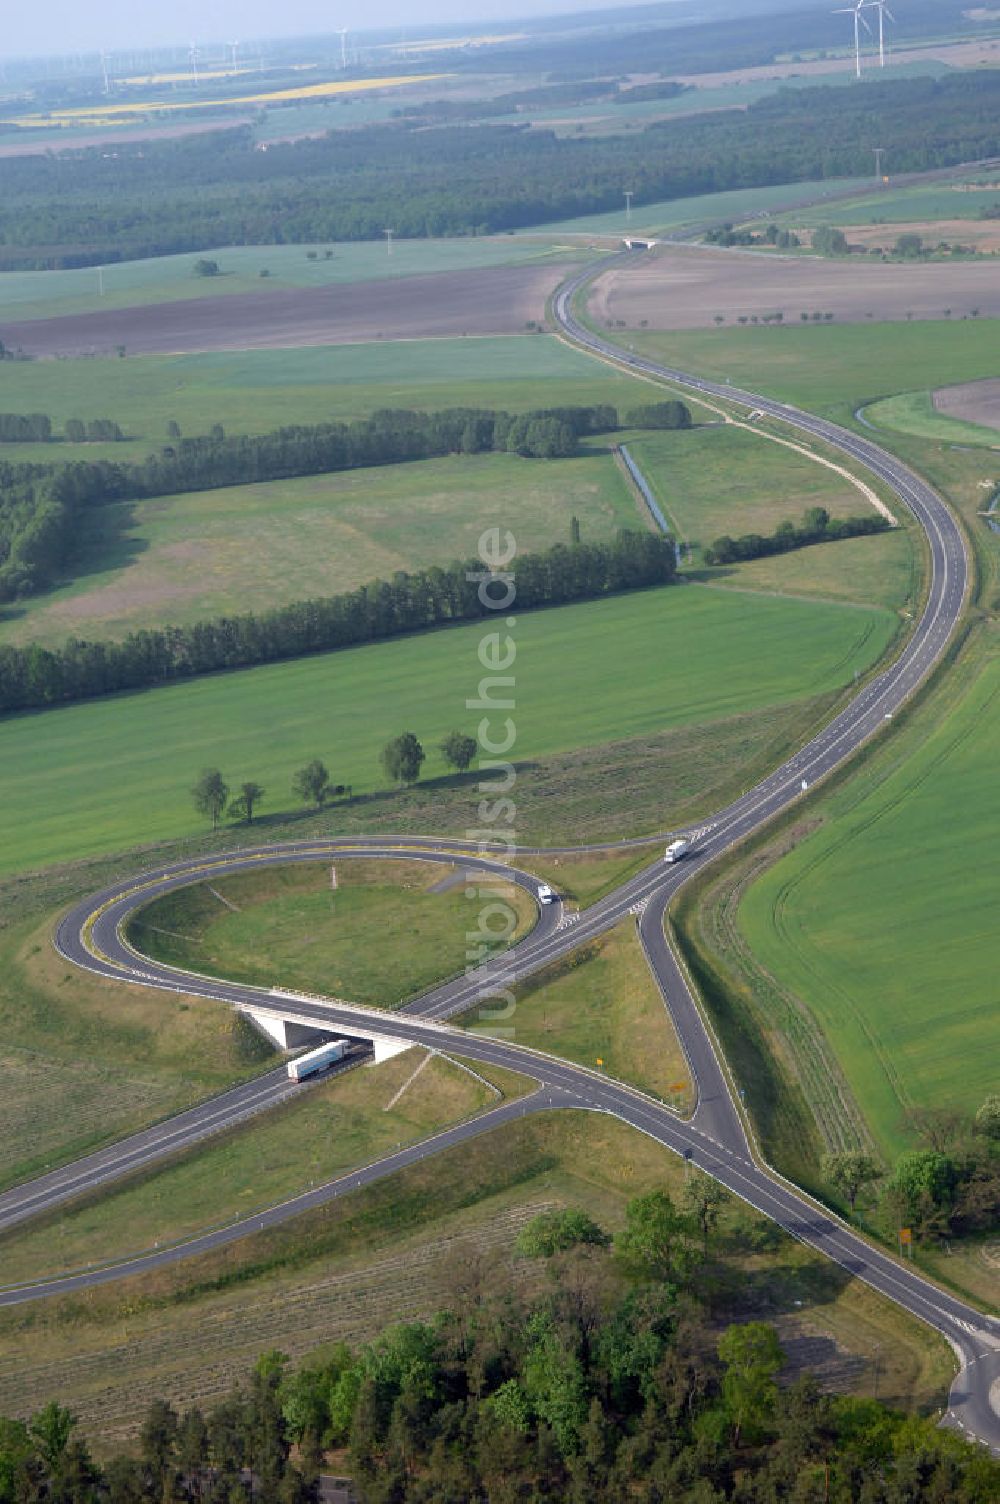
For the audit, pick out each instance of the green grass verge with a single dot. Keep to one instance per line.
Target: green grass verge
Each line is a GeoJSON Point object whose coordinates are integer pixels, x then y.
{"type": "Point", "coordinates": [319, 535]}
{"type": "Point", "coordinates": [253, 391]}
{"type": "Point", "coordinates": [915, 413]}
{"type": "Point", "coordinates": [600, 1007]}
{"type": "Point", "coordinates": [287, 925]}
{"type": "Point", "coordinates": [437, 1236]}
{"type": "Point", "coordinates": [85, 1062]}
{"type": "Point", "coordinates": [882, 921]}
{"type": "Point", "coordinates": [101, 775]}
{"type": "Point", "coordinates": [727, 479]}
{"type": "Point", "coordinates": [346, 1121]}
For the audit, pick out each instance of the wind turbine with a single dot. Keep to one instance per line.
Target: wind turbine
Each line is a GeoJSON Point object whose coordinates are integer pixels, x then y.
{"type": "Point", "coordinates": [859, 21]}
{"type": "Point", "coordinates": [883, 11]}
{"type": "Point", "coordinates": [193, 60]}
{"type": "Point", "coordinates": [234, 47]}
{"type": "Point", "coordinates": [104, 70]}
{"type": "Point", "coordinates": [343, 47]}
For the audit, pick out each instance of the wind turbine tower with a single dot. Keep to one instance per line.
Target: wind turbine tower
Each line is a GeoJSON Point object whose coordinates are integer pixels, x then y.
{"type": "Point", "coordinates": [859, 21]}
{"type": "Point", "coordinates": [104, 71]}
{"type": "Point", "coordinates": [234, 48]}
{"type": "Point", "coordinates": [343, 47]}
{"type": "Point", "coordinates": [628, 205]}
{"type": "Point", "coordinates": [388, 241]}
{"type": "Point", "coordinates": [193, 59]}
{"type": "Point", "coordinates": [883, 11]}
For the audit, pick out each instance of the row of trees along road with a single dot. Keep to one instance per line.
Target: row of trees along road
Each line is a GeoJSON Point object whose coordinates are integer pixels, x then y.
{"type": "Point", "coordinates": [401, 758]}
{"type": "Point", "coordinates": [613, 1373]}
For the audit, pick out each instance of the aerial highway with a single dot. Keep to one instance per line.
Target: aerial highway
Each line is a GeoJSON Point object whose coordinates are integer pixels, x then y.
{"type": "Point", "coordinates": [94, 935]}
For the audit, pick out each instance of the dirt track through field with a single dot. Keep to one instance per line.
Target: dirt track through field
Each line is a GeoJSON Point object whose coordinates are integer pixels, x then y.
{"type": "Point", "coordinates": [494, 300]}
{"type": "Point", "coordinates": [686, 287]}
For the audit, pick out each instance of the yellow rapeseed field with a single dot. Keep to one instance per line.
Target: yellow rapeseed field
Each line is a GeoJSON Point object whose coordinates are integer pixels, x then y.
{"type": "Point", "coordinates": [108, 114]}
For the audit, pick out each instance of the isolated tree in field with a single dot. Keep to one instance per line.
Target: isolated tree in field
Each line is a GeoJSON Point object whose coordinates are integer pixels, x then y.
{"type": "Point", "coordinates": [249, 796]}
{"type": "Point", "coordinates": [849, 1172]}
{"type": "Point", "coordinates": [574, 529]}
{"type": "Point", "coordinates": [311, 784]}
{"type": "Point", "coordinates": [173, 429]}
{"type": "Point", "coordinates": [75, 430]}
{"type": "Point", "coordinates": [402, 758]}
{"type": "Point", "coordinates": [204, 267]}
{"type": "Point", "coordinates": [210, 795]}
{"type": "Point", "coordinates": [458, 750]}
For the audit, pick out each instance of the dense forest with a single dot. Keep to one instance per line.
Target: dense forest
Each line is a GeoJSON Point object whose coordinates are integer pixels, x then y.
{"type": "Point", "coordinates": [610, 1382]}
{"type": "Point", "coordinates": [35, 676]}
{"type": "Point", "coordinates": [44, 510]}
{"type": "Point", "coordinates": [202, 191]}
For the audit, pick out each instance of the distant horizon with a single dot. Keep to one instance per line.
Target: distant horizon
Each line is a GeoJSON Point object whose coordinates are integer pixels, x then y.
{"type": "Point", "coordinates": [115, 25]}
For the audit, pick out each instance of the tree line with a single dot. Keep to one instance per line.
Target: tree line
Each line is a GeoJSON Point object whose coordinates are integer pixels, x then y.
{"type": "Point", "coordinates": [161, 198]}
{"type": "Point", "coordinates": [401, 758]}
{"type": "Point", "coordinates": [35, 676]}
{"type": "Point", "coordinates": [42, 510]}
{"type": "Point", "coordinates": [817, 526]}
{"type": "Point", "coordinates": [38, 428]}
{"type": "Point", "coordinates": [605, 1375]}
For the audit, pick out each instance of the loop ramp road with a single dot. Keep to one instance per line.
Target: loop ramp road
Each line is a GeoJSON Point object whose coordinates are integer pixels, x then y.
{"type": "Point", "coordinates": [714, 1139]}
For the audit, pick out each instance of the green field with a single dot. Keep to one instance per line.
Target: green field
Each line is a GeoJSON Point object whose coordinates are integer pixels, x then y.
{"type": "Point", "coordinates": [881, 570]}
{"type": "Point", "coordinates": [105, 775]}
{"type": "Point", "coordinates": [291, 540]}
{"type": "Point", "coordinates": [824, 368]}
{"type": "Point", "coordinates": [602, 1008]}
{"type": "Point", "coordinates": [915, 413]}
{"type": "Point", "coordinates": [341, 1123]}
{"type": "Point", "coordinates": [163, 279]}
{"type": "Point", "coordinates": [254, 391]}
{"type": "Point", "coordinates": [288, 923]}
{"type": "Point", "coordinates": [884, 921]}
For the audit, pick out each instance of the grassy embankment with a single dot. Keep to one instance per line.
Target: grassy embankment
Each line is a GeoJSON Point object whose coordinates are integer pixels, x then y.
{"type": "Point", "coordinates": [438, 1234]}
{"type": "Point", "coordinates": [101, 775]}
{"type": "Point", "coordinates": [288, 923]}
{"type": "Point", "coordinates": [333, 1127]}
{"type": "Point", "coordinates": [601, 1007]}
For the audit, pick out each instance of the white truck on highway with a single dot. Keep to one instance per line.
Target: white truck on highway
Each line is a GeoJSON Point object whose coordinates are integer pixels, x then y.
{"type": "Point", "coordinates": [318, 1059]}
{"type": "Point", "coordinates": [545, 894]}
{"type": "Point", "coordinates": [676, 850]}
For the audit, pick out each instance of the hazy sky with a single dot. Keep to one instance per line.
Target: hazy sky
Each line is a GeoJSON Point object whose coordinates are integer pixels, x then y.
{"type": "Point", "coordinates": [70, 25]}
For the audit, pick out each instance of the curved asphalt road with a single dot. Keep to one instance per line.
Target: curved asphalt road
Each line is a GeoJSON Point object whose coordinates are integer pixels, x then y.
{"type": "Point", "coordinates": [714, 1139]}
